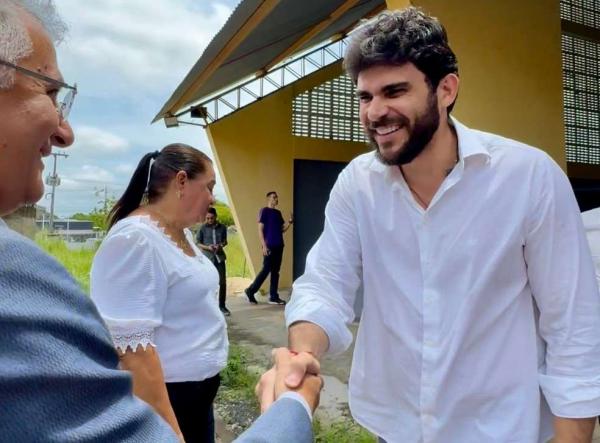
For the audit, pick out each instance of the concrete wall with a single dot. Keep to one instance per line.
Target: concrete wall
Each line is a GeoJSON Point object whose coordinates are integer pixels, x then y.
{"type": "Point", "coordinates": [255, 151]}
{"type": "Point", "coordinates": [509, 59]}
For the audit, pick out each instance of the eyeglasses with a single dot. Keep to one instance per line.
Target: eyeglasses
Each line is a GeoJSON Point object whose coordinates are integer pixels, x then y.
{"type": "Point", "coordinates": [66, 93]}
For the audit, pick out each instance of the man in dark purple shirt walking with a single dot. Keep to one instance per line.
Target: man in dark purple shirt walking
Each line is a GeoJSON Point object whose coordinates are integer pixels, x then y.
{"type": "Point", "coordinates": [271, 227]}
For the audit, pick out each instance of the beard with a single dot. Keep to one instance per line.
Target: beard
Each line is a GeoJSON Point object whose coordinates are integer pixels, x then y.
{"type": "Point", "coordinates": [419, 134]}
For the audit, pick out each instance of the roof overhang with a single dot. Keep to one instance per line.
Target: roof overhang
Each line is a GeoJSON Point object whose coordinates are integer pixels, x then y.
{"type": "Point", "coordinates": [259, 35]}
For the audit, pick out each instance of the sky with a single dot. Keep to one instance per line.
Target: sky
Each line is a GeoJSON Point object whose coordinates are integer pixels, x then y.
{"type": "Point", "coordinates": [127, 58]}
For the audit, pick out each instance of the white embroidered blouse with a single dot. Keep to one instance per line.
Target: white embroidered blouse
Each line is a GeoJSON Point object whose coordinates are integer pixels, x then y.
{"type": "Point", "coordinates": [150, 293]}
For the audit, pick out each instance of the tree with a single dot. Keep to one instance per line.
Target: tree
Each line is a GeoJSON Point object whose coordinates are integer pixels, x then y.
{"type": "Point", "coordinates": [224, 213]}
{"type": "Point", "coordinates": [98, 215]}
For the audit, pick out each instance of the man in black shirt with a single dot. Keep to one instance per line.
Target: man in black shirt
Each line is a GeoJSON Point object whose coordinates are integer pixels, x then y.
{"type": "Point", "coordinates": [212, 238]}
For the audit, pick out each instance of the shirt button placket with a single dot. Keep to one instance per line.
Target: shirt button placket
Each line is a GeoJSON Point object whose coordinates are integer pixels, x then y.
{"type": "Point", "coordinates": [430, 335]}
{"type": "Point", "coordinates": [429, 359]}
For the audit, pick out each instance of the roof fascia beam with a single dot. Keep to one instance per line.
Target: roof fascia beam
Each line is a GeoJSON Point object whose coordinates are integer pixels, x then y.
{"type": "Point", "coordinates": [253, 21]}
{"type": "Point", "coordinates": [308, 36]}
{"type": "Point", "coordinates": [371, 14]}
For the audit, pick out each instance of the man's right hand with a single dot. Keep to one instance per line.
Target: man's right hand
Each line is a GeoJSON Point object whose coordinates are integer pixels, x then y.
{"type": "Point", "coordinates": [265, 250]}
{"type": "Point", "coordinates": [292, 371]}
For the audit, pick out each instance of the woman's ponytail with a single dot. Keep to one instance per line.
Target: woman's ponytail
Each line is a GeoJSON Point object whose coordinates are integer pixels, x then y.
{"type": "Point", "coordinates": [133, 195]}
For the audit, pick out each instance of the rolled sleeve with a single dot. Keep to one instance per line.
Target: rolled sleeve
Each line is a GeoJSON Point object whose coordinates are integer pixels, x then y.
{"type": "Point", "coordinates": [325, 294]}
{"type": "Point", "coordinates": [563, 283]}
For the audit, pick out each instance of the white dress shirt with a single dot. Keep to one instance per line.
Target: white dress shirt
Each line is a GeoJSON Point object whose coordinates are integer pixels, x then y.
{"type": "Point", "coordinates": [150, 293]}
{"type": "Point", "coordinates": [470, 306]}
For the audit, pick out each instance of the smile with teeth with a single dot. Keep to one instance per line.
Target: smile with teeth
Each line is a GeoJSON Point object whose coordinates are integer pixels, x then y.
{"type": "Point", "coordinates": [385, 130]}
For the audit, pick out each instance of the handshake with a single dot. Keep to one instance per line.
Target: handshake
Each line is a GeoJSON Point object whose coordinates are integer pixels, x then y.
{"type": "Point", "coordinates": [291, 371]}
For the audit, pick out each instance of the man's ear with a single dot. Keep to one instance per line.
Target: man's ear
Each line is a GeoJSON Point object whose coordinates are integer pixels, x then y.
{"type": "Point", "coordinates": [447, 90]}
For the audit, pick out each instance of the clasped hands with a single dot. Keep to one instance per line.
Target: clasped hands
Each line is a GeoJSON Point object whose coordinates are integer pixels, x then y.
{"type": "Point", "coordinates": [291, 371]}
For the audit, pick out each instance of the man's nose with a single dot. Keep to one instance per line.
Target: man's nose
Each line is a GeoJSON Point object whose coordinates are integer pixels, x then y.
{"type": "Point", "coordinates": [63, 137]}
{"type": "Point", "coordinates": [377, 109]}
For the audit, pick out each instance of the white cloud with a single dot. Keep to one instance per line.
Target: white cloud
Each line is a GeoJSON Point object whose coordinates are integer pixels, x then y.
{"type": "Point", "coordinates": [125, 169]}
{"type": "Point", "coordinates": [69, 184]}
{"type": "Point", "coordinates": [93, 174]}
{"type": "Point", "coordinates": [98, 141]}
{"type": "Point", "coordinates": [127, 57]}
{"type": "Point", "coordinates": [142, 44]}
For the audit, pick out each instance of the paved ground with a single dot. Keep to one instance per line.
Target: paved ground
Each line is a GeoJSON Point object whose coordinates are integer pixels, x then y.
{"type": "Point", "coordinates": [261, 328]}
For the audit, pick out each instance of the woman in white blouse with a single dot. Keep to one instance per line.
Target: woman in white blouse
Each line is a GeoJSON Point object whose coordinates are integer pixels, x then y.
{"type": "Point", "coordinates": [157, 291]}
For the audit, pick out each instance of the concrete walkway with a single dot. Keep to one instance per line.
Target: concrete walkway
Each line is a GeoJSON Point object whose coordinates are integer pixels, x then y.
{"type": "Point", "coordinates": [260, 328]}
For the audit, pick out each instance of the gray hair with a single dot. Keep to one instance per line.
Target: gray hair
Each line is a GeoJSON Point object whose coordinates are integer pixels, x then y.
{"type": "Point", "coordinates": [15, 43]}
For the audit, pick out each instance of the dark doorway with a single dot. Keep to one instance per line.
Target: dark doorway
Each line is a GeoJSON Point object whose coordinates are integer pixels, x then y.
{"type": "Point", "coordinates": [587, 193]}
{"type": "Point", "coordinates": [313, 180]}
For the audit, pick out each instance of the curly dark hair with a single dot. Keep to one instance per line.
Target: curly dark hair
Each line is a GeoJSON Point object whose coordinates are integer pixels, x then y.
{"type": "Point", "coordinates": [399, 37]}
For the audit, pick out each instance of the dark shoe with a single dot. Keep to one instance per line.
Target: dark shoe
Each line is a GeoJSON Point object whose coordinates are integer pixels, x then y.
{"type": "Point", "coordinates": [276, 301]}
{"type": "Point", "coordinates": [226, 312]}
{"type": "Point", "coordinates": [251, 298]}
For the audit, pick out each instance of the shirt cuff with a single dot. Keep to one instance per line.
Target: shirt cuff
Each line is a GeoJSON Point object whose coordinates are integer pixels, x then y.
{"type": "Point", "coordinates": [571, 397]}
{"type": "Point", "coordinates": [338, 333]}
{"type": "Point", "coordinates": [295, 396]}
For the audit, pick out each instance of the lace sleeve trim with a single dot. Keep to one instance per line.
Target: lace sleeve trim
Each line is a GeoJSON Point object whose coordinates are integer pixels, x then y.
{"type": "Point", "coordinates": [133, 340]}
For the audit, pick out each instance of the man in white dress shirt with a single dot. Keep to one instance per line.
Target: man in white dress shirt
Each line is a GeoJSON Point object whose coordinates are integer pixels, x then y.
{"type": "Point", "coordinates": [481, 310]}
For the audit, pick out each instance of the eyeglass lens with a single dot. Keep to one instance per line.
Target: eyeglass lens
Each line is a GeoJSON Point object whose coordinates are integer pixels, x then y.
{"type": "Point", "coordinates": [64, 102]}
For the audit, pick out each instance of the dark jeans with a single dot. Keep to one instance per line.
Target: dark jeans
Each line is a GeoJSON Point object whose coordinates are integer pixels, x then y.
{"type": "Point", "coordinates": [192, 402]}
{"type": "Point", "coordinates": [222, 283]}
{"type": "Point", "coordinates": [271, 264]}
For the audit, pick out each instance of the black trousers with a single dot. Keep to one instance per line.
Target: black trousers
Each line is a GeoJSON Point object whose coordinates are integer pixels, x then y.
{"type": "Point", "coordinates": [222, 282]}
{"type": "Point", "coordinates": [192, 402]}
{"type": "Point", "coordinates": [272, 265]}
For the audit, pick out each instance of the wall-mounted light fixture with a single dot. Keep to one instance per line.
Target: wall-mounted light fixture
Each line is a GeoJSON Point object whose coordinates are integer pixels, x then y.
{"type": "Point", "coordinates": [199, 111]}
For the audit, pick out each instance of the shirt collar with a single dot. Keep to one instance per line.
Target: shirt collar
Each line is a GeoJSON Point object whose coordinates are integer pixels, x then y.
{"type": "Point", "coordinates": [469, 145]}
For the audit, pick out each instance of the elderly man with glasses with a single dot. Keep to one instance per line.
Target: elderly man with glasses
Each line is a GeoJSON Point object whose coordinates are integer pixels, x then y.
{"type": "Point", "coordinates": [59, 379]}
{"type": "Point", "coordinates": [59, 375]}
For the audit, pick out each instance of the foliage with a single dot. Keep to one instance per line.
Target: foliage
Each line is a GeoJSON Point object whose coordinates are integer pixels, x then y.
{"type": "Point", "coordinates": [77, 261]}
{"type": "Point", "coordinates": [236, 259]}
{"type": "Point", "coordinates": [343, 431]}
{"type": "Point", "coordinates": [98, 215]}
{"type": "Point", "coordinates": [224, 213]}
{"type": "Point", "coordinates": [236, 375]}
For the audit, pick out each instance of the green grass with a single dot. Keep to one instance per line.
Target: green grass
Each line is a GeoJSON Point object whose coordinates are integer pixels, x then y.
{"type": "Point", "coordinates": [343, 431]}
{"type": "Point", "coordinates": [236, 260]}
{"type": "Point", "coordinates": [236, 375]}
{"type": "Point", "coordinates": [77, 262]}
